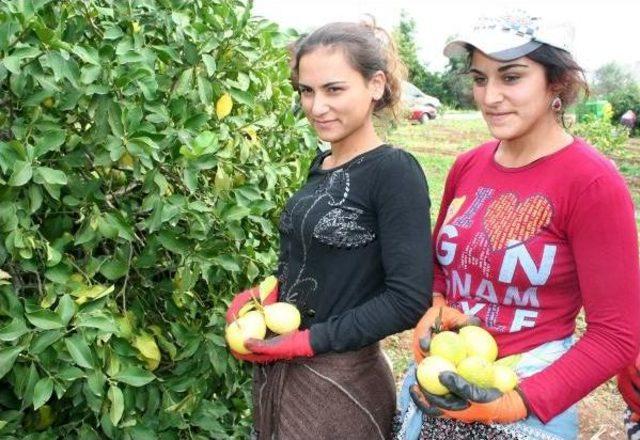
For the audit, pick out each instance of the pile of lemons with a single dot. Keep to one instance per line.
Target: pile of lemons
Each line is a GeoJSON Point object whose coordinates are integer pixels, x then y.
{"type": "Point", "coordinates": [472, 353]}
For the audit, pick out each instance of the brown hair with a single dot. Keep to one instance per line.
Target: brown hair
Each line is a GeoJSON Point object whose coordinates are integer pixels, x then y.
{"type": "Point", "coordinates": [368, 49]}
{"type": "Point", "coordinates": [562, 71]}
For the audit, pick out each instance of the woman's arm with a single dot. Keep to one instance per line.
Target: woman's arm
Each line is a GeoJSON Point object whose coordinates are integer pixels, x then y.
{"type": "Point", "coordinates": [604, 240]}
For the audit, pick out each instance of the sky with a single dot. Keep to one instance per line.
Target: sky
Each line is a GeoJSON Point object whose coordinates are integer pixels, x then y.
{"type": "Point", "coordinates": [601, 26]}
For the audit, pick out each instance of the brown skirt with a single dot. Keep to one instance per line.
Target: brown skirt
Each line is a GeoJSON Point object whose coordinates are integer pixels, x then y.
{"type": "Point", "coordinates": [332, 396]}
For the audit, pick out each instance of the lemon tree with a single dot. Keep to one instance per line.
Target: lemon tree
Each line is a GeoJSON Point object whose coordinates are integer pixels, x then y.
{"type": "Point", "coordinates": [145, 149]}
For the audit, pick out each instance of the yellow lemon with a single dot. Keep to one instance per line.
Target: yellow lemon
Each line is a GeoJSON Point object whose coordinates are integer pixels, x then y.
{"type": "Point", "coordinates": [479, 342]}
{"type": "Point", "coordinates": [282, 317]}
{"type": "Point", "coordinates": [251, 325]}
{"type": "Point", "coordinates": [476, 370]}
{"type": "Point", "coordinates": [509, 361]}
{"type": "Point", "coordinates": [448, 345]}
{"type": "Point", "coordinates": [428, 371]}
{"type": "Point", "coordinates": [504, 378]}
{"type": "Point", "coordinates": [224, 106]}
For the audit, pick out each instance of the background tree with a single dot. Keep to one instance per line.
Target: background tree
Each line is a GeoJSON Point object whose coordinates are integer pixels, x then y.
{"type": "Point", "coordinates": [619, 85]}
{"type": "Point", "coordinates": [404, 36]}
{"type": "Point", "coordinates": [458, 84]}
{"type": "Point", "coordinates": [452, 88]}
{"type": "Point", "coordinates": [612, 77]}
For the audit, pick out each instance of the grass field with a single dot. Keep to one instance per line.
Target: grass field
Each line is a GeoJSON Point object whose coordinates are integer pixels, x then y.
{"type": "Point", "coordinates": [436, 145]}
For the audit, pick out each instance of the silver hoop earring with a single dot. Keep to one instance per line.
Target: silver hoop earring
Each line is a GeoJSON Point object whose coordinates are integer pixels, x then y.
{"type": "Point", "coordinates": [556, 104]}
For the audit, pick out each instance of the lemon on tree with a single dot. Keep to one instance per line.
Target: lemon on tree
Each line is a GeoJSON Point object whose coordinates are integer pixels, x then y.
{"type": "Point", "coordinates": [479, 342]}
{"type": "Point", "coordinates": [428, 371]}
{"type": "Point", "coordinates": [48, 102]}
{"type": "Point", "coordinates": [448, 345]}
{"type": "Point", "coordinates": [224, 105]}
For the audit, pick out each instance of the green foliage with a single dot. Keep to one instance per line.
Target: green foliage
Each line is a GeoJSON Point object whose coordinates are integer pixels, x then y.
{"type": "Point", "coordinates": [129, 211]}
{"type": "Point", "coordinates": [611, 77]}
{"type": "Point", "coordinates": [619, 85]}
{"type": "Point", "coordinates": [451, 87]}
{"type": "Point", "coordinates": [601, 133]}
{"type": "Point", "coordinates": [458, 84]}
{"type": "Point", "coordinates": [404, 36]}
{"type": "Point", "coordinates": [623, 99]}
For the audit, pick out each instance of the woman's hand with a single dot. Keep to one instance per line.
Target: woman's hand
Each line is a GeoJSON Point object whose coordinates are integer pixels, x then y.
{"type": "Point", "coordinates": [239, 301]}
{"type": "Point", "coordinates": [470, 403]}
{"type": "Point", "coordinates": [283, 347]}
{"type": "Point", "coordinates": [629, 387]}
{"type": "Point", "coordinates": [252, 294]}
{"type": "Point", "coordinates": [443, 316]}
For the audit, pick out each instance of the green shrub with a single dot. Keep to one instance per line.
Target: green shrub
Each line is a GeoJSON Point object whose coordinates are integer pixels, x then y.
{"type": "Point", "coordinates": [608, 138]}
{"type": "Point", "coordinates": [627, 98]}
{"type": "Point", "coordinates": [130, 211]}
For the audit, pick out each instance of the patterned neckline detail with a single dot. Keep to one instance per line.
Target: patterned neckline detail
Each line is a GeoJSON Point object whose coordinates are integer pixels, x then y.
{"type": "Point", "coordinates": [317, 166]}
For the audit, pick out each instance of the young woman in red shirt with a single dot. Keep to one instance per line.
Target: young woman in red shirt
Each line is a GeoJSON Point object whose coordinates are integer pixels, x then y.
{"type": "Point", "coordinates": [533, 226]}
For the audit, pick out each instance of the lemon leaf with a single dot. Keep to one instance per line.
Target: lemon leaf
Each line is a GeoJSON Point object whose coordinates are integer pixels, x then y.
{"type": "Point", "coordinates": [267, 286]}
{"type": "Point", "coordinates": [146, 345]}
{"type": "Point", "coordinates": [117, 404]}
{"type": "Point", "coordinates": [42, 392]}
{"type": "Point", "coordinates": [246, 308]}
{"type": "Point", "coordinates": [86, 293]}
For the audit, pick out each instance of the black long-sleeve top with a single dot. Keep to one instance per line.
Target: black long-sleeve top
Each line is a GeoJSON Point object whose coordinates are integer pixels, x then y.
{"type": "Point", "coordinates": [355, 253]}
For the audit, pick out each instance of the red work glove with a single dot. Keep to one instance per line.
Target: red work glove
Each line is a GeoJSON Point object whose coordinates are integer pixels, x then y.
{"type": "Point", "coordinates": [242, 298]}
{"type": "Point", "coordinates": [450, 319]}
{"type": "Point", "coordinates": [470, 403]}
{"type": "Point", "coordinates": [629, 387]}
{"type": "Point", "coordinates": [283, 347]}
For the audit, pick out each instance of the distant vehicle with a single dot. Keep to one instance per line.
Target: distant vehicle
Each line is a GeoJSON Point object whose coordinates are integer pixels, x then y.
{"type": "Point", "coordinates": [422, 107]}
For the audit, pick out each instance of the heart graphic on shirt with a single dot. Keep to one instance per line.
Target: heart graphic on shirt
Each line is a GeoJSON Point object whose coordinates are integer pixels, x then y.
{"type": "Point", "coordinates": [507, 219]}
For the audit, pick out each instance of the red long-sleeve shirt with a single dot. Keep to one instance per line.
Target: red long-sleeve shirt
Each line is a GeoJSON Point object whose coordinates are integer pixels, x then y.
{"type": "Point", "coordinates": [525, 248]}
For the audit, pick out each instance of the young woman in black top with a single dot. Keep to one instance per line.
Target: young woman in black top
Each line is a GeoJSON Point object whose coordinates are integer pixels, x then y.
{"type": "Point", "coordinates": [355, 250]}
